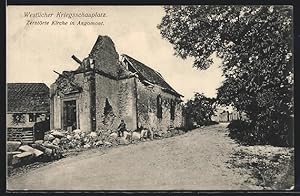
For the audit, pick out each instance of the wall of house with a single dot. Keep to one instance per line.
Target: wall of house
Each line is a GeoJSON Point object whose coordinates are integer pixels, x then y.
{"type": "Point", "coordinates": [234, 116]}
{"type": "Point", "coordinates": [82, 104]}
{"type": "Point", "coordinates": [127, 102]}
{"type": "Point", "coordinates": [106, 88]}
{"type": "Point", "coordinates": [39, 117]}
{"type": "Point", "coordinates": [9, 118]}
{"type": "Point", "coordinates": [227, 116]}
{"type": "Point", "coordinates": [147, 109]}
{"type": "Point", "coordinates": [121, 96]}
{"type": "Point", "coordinates": [224, 116]}
{"type": "Point", "coordinates": [55, 102]}
{"type": "Point", "coordinates": [105, 55]}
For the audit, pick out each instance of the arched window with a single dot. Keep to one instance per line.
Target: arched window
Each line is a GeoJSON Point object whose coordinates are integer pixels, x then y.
{"type": "Point", "coordinates": [159, 107]}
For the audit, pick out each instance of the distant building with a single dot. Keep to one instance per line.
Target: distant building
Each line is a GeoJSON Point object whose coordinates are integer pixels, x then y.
{"type": "Point", "coordinates": [27, 110]}
{"type": "Point", "coordinates": [227, 114]}
{"type": "Point", "coordinates": [106, 88]}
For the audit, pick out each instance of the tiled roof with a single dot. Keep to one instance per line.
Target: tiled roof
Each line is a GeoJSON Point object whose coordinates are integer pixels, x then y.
{"type": "Point", "coordinates": [27, 97]}
{"type": "Point", "coordinates": [150, 74]}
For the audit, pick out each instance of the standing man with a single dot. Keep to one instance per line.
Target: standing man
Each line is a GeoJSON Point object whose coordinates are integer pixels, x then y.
{"type": "Point", "coordinates": [121, 128]}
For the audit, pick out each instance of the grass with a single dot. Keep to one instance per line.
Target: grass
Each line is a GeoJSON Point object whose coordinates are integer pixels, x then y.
{"type": "Point", "coordinates": [271, 170]}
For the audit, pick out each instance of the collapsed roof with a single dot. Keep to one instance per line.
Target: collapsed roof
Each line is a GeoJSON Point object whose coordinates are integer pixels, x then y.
{"type": "Point", "coordinates": [150, 75]}
{"type": "Point", "coordinates": [106, 61]}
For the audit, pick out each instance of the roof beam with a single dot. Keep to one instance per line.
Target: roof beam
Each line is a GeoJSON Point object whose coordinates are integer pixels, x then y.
{"type": "Point", "coordinates": [76, 59]}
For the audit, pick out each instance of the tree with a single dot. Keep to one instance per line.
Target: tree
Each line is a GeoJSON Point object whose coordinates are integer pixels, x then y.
{"type": "Point", "coordinates": [255, 43]}
{"type": "Point", "coordinates": [200, 109]}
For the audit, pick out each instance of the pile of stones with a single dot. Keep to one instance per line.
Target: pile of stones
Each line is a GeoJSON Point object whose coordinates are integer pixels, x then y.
{"type": "Point", "coordinates": [57, 143]}
{"type": "Point", "coordinates": [21, 154]}
{"type": "Point", "coordinates": [78, 139]}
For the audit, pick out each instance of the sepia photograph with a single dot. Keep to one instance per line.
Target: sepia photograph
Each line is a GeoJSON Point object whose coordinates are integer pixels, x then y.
{"type": "Point", "coordinates": [142, 98]}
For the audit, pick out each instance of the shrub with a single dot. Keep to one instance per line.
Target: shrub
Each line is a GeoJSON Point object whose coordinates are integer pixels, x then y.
{"type": "Point", "coordinates": [207, 123]}
{"type": "Point", "coordinates": [255, 133]}
{"type": "Point", "coordinates": [240, 131]}
{"type": "Point", "coordinates": [198, 111]}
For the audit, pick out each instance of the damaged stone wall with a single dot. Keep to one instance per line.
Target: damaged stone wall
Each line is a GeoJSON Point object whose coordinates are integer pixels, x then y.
{"type": "Point", "coordinates": [105, 55]}
{"type": "Point", "coordinates": [106, 91]}
{"type": "Point", "coordinates": [117, 96]}
{"type": "Point", "coordinates": [82, 103]}
{"type": "Point", "coordinates": [120, 97]}
{"type": "Point", "coordinates": [127, 102]}
{"type": "Point", "coordinates": [147, 109]}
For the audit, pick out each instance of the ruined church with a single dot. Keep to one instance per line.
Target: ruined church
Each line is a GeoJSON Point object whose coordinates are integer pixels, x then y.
{"type": "Point", "coordinates": [106, 88]}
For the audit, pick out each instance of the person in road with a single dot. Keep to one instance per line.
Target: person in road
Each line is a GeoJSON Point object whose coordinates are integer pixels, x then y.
{"type": "Point", "coordinates": [121, 128]}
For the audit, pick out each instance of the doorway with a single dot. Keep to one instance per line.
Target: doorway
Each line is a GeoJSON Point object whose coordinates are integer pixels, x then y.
{"type": "Point", "coordinates": [69, 115]}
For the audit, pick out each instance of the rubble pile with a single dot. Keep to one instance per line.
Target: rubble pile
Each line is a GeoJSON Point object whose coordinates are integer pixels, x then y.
{"type": "Point", "coordinates": [19, 154]}
{"type": "Point", "coordinates": [57, 143]}
{"type": "Point", "coordinates": [78, 139]}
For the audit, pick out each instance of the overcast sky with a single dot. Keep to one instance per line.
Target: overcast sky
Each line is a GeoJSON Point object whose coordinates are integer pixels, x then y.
{"type": "Point", "coordinates": [33, 52]}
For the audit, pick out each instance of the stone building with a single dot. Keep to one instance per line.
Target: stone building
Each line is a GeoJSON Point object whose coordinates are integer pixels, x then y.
{"type": "Point", "coordinates": [27, 102]}
{"type": "Point", "coordinates": [106, 88]}
{"type": "Point", "coordinates": [28, 111]}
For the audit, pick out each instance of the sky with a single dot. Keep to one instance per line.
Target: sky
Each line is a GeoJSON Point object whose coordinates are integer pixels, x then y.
{"type": "Point", "coordinates": [34, 51]}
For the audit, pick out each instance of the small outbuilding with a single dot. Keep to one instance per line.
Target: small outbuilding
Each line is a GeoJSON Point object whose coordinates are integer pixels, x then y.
{"type": "Point", "coordinates": [28, 109]}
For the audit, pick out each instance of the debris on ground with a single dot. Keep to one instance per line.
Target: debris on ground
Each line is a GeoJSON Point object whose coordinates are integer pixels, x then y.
{"type": "Point", "coordinates": [12, 145]}
{"type": "Point", "coordinates": [60, 143]}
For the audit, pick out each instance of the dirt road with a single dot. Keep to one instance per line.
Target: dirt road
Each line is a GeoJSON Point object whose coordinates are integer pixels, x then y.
{"type": "Point", "coordinates": [192, 161]}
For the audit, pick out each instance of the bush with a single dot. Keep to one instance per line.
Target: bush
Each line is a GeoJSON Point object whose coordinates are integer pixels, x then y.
{"type": "Point", "coordinates": [198, 111]}
{"type": "Point", "coordinates": [182, 129]}
{"type": "Point", "coordinates": [240, 131]}
{"type": "Point", "coordinates": [207, 123]}
{"type": "Point", "coordinates": [191, 126]}
{"type": "Point", "coordinates": [250, 133]}
{"type": "Point", "coordinates": [236, 125]}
